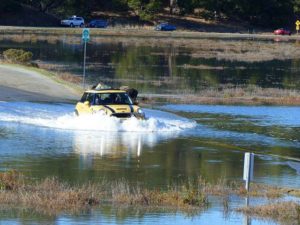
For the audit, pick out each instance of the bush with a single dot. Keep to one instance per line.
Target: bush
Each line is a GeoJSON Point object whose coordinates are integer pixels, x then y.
{"type": "Point", "coordinates": [17, 56]}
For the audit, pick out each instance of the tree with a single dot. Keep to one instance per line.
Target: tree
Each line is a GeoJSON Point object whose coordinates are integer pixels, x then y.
{"type": "Point", "coordinates": [145, 9]}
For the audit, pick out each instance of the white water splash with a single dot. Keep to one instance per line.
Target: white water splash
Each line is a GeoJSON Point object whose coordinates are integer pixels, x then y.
{"type": "Point", "coordinates": [61, 116]}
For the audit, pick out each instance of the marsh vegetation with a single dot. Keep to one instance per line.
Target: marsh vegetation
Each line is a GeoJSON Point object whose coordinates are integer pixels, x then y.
{"type": "Point", "coordinates": [50, 196]}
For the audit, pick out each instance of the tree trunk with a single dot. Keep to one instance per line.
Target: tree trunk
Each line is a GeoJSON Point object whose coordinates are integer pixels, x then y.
{"type": "Point", "coordinates": [172, 3]}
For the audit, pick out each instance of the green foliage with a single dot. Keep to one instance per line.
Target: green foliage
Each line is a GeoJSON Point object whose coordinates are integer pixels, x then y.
{"type": "Point", "coordinates": [135, 4]}
{"type": "Point", "coordinates": [17, 56]}
{"type": "Point", "coordinates": [146, 10]}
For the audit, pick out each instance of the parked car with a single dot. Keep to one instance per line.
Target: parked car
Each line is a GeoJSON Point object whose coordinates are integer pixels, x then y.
{"type": "Point", "coordinates": [73, 22]}
{"type": "Point", "coordinates": [282, 31]}
{"type": "Point", "coordinates": [98, 23]}
{"type": "Point", "coordinates": [165, 27]}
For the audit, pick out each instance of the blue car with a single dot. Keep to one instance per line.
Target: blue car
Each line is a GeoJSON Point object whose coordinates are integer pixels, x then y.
{"type": "Point", "coordinates": [165, 27]}
{"type": "Point", "coordinates": [98, 23]}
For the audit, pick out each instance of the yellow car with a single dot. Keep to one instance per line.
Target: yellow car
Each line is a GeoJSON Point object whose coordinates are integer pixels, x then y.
{"type": "Point", "coordinates": [112, 102]}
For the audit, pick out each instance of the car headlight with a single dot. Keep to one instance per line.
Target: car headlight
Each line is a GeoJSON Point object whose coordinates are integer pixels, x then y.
{"type": "Point", "coordinates": [140, 111]}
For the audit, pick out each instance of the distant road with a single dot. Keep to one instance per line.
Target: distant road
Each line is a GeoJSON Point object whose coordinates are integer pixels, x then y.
{"type": "Point", "coordinates": [20, 84]}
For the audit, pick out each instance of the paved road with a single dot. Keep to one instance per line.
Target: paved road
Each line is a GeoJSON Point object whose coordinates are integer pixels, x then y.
{"type": "Point", "coordinates": [19, 84]}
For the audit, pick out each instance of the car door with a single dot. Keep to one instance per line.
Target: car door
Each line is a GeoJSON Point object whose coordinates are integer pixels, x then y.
{"type": "Point", "coordinates": [84, 106]}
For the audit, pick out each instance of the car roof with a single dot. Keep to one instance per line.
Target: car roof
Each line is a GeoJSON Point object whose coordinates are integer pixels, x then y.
{"type": "Point", "coordinates": [105, 91]}
{"type": "Point", "coordinates": [76, 17]}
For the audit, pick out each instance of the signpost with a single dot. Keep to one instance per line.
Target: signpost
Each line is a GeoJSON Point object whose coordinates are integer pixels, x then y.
{"type": "Point", "coordinates": [85, 38]}
{"type": "Point", "coordinates": [248, 169]}
{"type": "Point", "coordinates": [297, 25]}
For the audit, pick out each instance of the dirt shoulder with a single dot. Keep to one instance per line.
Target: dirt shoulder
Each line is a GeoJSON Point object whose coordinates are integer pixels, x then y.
{"type": "Point", "coordinates": [21, 84]}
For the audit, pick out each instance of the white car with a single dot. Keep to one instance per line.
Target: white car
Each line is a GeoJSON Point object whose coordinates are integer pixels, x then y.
{"type": "Point", "coordinates": [73, 22]}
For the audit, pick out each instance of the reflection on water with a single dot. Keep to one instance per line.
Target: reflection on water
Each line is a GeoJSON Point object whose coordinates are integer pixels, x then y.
{"type": "Point", "coordinates": [157, 68]}
{"type": "Point", "coordinates": [128, 144]}
{"type": "Point", "coordinates": [107, 144]}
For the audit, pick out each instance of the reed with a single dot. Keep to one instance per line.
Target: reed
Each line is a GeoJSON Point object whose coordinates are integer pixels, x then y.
{"type": "Point", "coordinates": [243, 95]}
{"type": "Point", "coordinates": [287, 212]}
{"type": "Point", "coordinates": [52, 196]}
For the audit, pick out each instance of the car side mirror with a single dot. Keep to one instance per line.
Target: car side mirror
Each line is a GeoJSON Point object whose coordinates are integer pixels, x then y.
{"type": "Point", "coordinates": [136, 102]}
{"type": "Point", "coordinates": [87, 103]}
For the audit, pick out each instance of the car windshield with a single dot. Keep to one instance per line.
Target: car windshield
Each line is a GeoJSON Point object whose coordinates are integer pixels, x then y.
{"type": "Point", "coordinates": [112, 98]}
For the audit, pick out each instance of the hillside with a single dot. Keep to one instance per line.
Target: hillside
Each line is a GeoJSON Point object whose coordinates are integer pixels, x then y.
{"type": "Point", "coordinates": [24, 15]}
{"type": "Point", "coordinates": [27, 16]}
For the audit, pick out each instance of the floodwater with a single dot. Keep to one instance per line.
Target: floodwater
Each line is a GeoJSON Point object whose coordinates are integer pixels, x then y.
{"type": "Point", "coordinates": [155, 66]}
{"type": "Point", "coordinates": [176, 143]}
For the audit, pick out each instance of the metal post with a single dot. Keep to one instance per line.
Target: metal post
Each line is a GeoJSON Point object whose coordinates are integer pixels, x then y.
{"type": "Point", "coordinates": [247, 219]}
{"type": "Point", "coordinates": [84, 59]}
{"type": "Point", "coordinates": [248, 169]}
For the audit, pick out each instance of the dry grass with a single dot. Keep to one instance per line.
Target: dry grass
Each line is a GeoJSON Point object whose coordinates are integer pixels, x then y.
{"type": "Point", "coordinates": [68, 77]}
{"type": "Point", "coordinates": [284, 212]}
{"type": "Point", "coordinates": [51, 196]}
{"type": "Point", "coordinates": [225, 188]}
{"type": "Point", "coordinates": [180, 197]}
{"type": "Point", "coordinates": [249, 95]}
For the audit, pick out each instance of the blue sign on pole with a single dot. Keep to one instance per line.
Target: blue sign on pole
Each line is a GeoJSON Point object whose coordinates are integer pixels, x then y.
{"type": "Point", "coordinates": [85, 38]}
{"type": "Point", "coordinates": [86, 34]}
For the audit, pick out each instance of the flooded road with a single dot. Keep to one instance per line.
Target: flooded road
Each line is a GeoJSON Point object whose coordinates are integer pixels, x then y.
{"type": "Point", "coordinates": [176, 143]}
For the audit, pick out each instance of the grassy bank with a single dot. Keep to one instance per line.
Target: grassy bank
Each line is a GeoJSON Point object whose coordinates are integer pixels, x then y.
{"type": "Point", "coordinates": [251, 95]}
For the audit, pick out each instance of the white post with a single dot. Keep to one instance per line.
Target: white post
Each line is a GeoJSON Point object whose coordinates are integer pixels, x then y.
{"type": "Point", "coordinates": [248, 169]}
{"type": "Point", "coordinates": [84, 59]}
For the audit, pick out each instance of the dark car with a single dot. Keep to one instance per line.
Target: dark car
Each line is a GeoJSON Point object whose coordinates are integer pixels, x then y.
{"type": "Point", "coordinates": [98, 23]}
{"type": "Point", "coordinates": [282, 31]}
{"type": "Point", "coordinates": [165, 27]}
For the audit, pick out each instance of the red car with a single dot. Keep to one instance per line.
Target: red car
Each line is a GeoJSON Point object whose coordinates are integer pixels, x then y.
{"type": "Point", "coordinates": [282, 31]}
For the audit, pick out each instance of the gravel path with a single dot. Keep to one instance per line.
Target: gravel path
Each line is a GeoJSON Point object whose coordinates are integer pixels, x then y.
{"type": "Point", "coordinates": [20, 84]}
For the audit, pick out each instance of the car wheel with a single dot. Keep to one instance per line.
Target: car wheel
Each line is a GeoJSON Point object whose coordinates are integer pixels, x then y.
{"type": "Point", "coordinates": [81, 25]}
{"type": "Point", "coordinates": [71, 25]}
